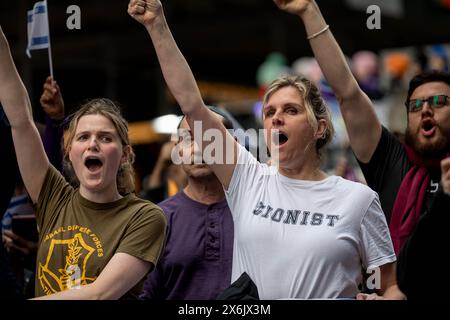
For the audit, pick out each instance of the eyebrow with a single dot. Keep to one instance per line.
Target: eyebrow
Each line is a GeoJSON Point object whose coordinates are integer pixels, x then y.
{"type": "Point", "coordinates": [102, 132]}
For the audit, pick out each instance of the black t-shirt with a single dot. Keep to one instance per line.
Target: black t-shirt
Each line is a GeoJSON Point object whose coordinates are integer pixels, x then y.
{"type": "Point", "coordinates": [420, 269]}
{"type": "Point", "coordinates": [387, 168]}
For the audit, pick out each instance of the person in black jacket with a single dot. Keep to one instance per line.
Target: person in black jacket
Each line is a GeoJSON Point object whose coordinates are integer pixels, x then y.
{"type": "Point", "coordinates": [422, 258]}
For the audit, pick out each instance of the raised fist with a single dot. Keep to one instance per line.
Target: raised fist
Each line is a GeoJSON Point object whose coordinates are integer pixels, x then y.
{"type": "Point", "coordinates": [293, 6]}
{"type": "Point", "coordinates": [145, 11]}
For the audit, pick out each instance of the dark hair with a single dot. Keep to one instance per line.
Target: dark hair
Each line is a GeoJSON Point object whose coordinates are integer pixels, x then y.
{"type": "Point", "coordinates": [228, 120]}
{"type": "Point", "coordinates": [425, 77]}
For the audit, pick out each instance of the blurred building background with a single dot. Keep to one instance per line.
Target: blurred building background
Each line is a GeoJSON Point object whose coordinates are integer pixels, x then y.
{"type": "Point", "coordinates": [227, 44]}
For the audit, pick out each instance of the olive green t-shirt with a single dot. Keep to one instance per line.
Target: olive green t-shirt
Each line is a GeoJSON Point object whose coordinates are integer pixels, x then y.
{"type": "Point", "coordinates": [77, 237]}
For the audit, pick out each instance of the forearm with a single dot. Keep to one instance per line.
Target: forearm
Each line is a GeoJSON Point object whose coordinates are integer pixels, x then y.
{"type": "Point", "coordinates": [175, 68]}
{"type": "Point", "coordinates": [394, 293]}
{"type": "Point", "coordinates": [328, 54]}
{"type": "Point", "coordinates": [13, 95]}
{"type": "Point", "coordinates": [31, 157]}
{"type": "Point", "coordinates": [362, 124]}
{"type": "Point", "coordinates": [389, 288]}
{"type": "Point", "coordinates": [85, 292]}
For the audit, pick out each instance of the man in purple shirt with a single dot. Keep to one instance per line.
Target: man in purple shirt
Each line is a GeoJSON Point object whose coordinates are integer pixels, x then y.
{"type": "Point", "coordinates": [196, 262]}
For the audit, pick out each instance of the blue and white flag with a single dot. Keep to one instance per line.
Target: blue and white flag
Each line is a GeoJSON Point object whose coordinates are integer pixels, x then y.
{"type": "Point", "coordinates": [38, 31]}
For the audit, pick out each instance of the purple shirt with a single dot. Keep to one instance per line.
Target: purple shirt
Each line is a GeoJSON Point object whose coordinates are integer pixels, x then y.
{"type": "Point", "coordinates": [196, 262]}
{"type": "Point", "coordinates": [53, 142]}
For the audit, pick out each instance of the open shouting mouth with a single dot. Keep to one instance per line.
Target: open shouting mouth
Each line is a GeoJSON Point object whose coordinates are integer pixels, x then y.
{"type": "Point", "coordinates": [93, 163]}
{"type": "Point", "coordinates": [279, 138]}
{"type": "Point", "coordinates": [428, 127]}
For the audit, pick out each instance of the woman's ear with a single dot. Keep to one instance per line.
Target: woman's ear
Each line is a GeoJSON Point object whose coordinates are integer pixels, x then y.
{"type": "Point", "coordinates": [125, 154]}
{"type": "Point", "coordinates": [321, 128]}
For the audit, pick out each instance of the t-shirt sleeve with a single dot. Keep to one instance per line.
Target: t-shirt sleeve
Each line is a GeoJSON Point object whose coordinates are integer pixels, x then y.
{"type": "Point", "coordinates": [54, 191]}
{"type": "Point", "coordinates": [247, 171]}
{"type": "Point", "coordinates": [144, 237]}
{"type": "Point", "coordinates": [388, 152]}
{"type": "Point", "coordinates": [376, 243]}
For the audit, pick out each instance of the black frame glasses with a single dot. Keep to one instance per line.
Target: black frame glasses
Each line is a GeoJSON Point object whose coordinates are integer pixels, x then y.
{"type": "Point", "coordinates": [436, 101]}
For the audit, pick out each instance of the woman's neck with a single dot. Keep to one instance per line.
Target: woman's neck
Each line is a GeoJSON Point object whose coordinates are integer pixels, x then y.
{"type": "Point", "coordinates": [101, 196]}
{"type": "Point", "coordinates": [306, 170]}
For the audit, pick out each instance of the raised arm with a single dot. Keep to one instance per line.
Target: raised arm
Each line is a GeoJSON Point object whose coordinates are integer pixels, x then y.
{"type": "Point", "coordinates": [53, 105]}
{"type": "Point", "coordinates": [180, 79]}
{"type": "Point", "coordinates": [363, 126]}
{"type": "Point", "coordinates": [33, 162]}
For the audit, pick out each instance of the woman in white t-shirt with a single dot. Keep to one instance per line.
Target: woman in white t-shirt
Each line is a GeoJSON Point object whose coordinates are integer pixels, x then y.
{"type": "Point", "coordinates": [298, 233]}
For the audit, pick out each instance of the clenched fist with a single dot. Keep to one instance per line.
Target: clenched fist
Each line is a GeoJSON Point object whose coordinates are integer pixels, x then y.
{"type": "Point", "coordinates": [145, 11]}
{"type": "Point", "coordinates": [294, 6]}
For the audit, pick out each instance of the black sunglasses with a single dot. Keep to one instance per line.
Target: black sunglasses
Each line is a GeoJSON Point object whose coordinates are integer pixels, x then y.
{"type": "Point", "coordinates": [437, 101]}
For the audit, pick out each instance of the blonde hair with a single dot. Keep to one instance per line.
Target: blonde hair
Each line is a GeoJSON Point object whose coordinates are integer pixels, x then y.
{"type": "Point", "coordinates": [106, 108]}
{"type": "Point", "coordinates": [316, 108]}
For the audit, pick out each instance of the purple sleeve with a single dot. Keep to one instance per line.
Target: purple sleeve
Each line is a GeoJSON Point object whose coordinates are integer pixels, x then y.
{"type": "Point", "coordinates": [153, 285]}
{"type": "Point", "coordinates": [53, 142]}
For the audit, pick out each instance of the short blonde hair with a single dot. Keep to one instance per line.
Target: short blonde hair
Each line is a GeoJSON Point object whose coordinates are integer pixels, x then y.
{"type": "Point", "coordinates": [106, 108]}
{"type": "Point", "coordinates": [315, 106]}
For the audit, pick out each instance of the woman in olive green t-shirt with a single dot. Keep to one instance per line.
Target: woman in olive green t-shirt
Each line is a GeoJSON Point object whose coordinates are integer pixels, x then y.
{"type": "Point", "coordinates": [98, 237]}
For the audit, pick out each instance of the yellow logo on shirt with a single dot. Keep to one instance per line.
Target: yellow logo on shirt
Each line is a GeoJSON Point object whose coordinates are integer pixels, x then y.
{"type": "Point", "coordinates": [73, 274]}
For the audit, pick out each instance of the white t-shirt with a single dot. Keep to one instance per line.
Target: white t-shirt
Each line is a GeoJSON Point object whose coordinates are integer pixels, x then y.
{"type": "Point", "coordinates": [304, 239]}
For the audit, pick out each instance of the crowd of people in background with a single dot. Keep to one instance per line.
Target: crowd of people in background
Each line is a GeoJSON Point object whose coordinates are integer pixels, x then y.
{"type": "Point", "coordinates": [359, 180]}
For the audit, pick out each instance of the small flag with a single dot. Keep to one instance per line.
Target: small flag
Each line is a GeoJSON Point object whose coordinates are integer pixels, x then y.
{"type": "Point", "coordinates": [38, 31]}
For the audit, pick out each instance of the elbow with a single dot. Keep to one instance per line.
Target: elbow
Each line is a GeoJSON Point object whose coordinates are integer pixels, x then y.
{"type": "Point", "coordinates": [190, 104]}
{"type": "Point", "coordinates": [348, 91]}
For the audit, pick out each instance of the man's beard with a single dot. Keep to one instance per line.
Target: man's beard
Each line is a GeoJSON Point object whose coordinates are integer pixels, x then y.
{"type": "Point", "coordinates": [429, 150]}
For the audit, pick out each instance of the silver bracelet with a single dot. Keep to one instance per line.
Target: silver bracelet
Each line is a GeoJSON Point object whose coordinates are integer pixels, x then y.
{"type": "Point", "coordinates": [318, 33]}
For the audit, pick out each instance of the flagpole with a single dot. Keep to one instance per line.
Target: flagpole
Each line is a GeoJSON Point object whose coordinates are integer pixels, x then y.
{"type": "Point", "coordinates": [50, 60]}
